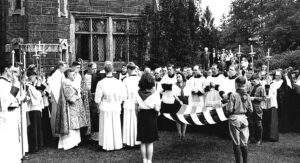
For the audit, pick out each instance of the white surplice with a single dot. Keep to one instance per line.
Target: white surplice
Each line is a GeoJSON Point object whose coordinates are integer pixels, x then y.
{"type": "Point", "coordinates": [167, 95]}
{"type": "Point", "coordinates": [228, 85]}
{"type": "Point", "coordinates": [274, 86]}
{"type": "Point", "coordinates": [196, 85]}
{"type": "Point", "coordinates": [10, 138]}
{"type": "Point", "coordinates": [110, 93]}
{"type": "Point", "coordinates": [130, 117]}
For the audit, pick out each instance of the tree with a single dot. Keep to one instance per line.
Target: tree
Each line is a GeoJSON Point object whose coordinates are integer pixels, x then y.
{"type": "Point", "coordinates": [267, 24]}
{"type": "Point", "coordinates": [174, 32]}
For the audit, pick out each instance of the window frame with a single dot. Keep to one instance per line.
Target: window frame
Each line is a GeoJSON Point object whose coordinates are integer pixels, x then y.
{"type": "Point", "coordinates": [109, 33]}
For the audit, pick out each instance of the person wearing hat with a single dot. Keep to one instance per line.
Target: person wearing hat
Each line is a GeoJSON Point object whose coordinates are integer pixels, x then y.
{"type": "Point", "coordinates": [129, 115]}
{"type": "Point", "coordinates": [258, 95]}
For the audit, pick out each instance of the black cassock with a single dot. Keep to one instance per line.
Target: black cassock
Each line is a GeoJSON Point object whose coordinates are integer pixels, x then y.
{"type": "Point", "coordinates": [285, 107]}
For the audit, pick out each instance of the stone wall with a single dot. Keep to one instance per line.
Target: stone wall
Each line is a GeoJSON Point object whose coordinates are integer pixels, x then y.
{"type": "Point", "coordinates": [108, 6]}
{"type": "Point", "coordinates": [42, 22]}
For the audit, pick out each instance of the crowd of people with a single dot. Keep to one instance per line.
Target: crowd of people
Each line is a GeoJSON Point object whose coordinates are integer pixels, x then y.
{"type": "Point", "coordinates": [76, 103]}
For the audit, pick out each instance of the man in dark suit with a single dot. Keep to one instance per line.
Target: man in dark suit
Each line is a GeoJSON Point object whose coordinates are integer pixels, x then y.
{"type": "Point", "coordinates": [205, 61]}
{"type": "Point", "coordinates": [96, 76]}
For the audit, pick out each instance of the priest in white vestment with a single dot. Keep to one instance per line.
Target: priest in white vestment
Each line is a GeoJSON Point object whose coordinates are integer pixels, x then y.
{"type": "Point", "coordinates": [55, 83]}
{"type": "Point", "coordinates": [195, 86]}
{"type": "Point", "coordinates": [130, 106]}
{"type": "Point", "coordinates": [110, 93]}
{"type": "Point", "coordinates": [10, 144]}
{"type": "Point", "coordinates": [228, 85]}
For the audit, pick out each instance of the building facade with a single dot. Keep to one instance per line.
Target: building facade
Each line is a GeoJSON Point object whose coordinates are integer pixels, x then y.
{"type": "Point", "coordinates": [93, 30]}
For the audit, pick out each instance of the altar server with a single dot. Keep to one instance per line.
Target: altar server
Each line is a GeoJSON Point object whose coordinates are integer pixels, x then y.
{"type": "Point", "coordinates": [10, 148]}
{"type": "Point", "coordinates": [195, 86]}
{"type": "Point", "coordinates": [130, 106]}
{"type": "Point", "coordinates": [110, 93]}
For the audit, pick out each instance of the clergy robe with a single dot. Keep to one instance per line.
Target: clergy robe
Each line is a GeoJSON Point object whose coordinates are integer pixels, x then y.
{"type": "Point", "coordinates": [129, 116]}
{"type": "Point", "coordinates": [270, 114]}
{"type": "Point", "coordinates": [10, 148]}
{"type": "Point", "coordinates": [110, 93]}
{"type": "Point", "coordinates": [285, 101]}
{"type": "Point", "coordinates": [55, 82]}
{"type": "Point", "coordinates": [195, 86]}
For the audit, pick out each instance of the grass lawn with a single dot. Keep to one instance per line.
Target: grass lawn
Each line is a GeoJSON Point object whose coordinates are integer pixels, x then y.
{"type": "Point", "coordinates": [196, 147]}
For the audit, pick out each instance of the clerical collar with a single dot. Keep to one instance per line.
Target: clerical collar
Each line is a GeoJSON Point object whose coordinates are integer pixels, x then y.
{"type": "Point", "coordinates": [4, 78]}
{"type": "Point", "coordinates": [171, 76]}
{"type": "Point", "coordinates": [232, 77]}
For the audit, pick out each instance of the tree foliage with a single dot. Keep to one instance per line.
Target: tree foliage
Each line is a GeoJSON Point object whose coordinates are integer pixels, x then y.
{"type": "Point", "coordinates": [267, 23]}
{"type": "Point", "coordinates": [177, 32]}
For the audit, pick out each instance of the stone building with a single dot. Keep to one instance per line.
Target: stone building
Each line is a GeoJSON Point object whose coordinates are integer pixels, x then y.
{"type": "Point", "coordinates": [93, 30]}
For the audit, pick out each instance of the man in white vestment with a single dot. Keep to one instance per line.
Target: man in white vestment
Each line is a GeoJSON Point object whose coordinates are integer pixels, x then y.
{"type": "Point", "coordinates": [229, 82]}
{"type": "Point", "coordinates": [168, 81]}
{"type": "Point", "coordinates": [130, 104]}
{"type": "Point", "coordinates": [216, 78]}
{"type": "Point", "coordinates": [55, 82]}
{"type": "Point", "coordinates": [195, 86]}
{"type": "Point", "coordinates": [10, 144]}
{"type": "Point", "coordinates": [110, 93]}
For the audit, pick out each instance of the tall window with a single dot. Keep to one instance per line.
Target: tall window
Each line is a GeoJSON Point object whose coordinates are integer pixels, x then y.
{"type": "Point", "coordinates": [90, 39]}
{"type": "Point", "coordinates": [99, 39]}
{"type": "Point", "coordinates": [125, 35]}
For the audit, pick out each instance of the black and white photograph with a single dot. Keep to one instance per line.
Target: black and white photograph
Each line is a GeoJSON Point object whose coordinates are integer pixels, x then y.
{"type": "Point", "coordinates": [142, 81]}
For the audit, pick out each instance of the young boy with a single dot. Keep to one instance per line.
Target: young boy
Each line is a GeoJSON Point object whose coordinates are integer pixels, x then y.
{"type": "Point", "coordinates": [238, 105]}
{"type": "Point", "coordinates": [258, 96]}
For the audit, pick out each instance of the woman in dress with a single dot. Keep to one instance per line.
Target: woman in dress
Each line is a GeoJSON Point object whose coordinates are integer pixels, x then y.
{"type": "Point", "coordinates": [75, 118]}
{"type": "Point", "coordinates": [182, 96]}
{"type": "Point", "coordinates": [110, 93]}
{"type": "Point", "coordinates": [149, 106]}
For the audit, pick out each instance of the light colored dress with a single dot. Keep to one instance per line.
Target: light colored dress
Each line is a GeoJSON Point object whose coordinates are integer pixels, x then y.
{"type": "Point", "coordinates": [130, 117]}
{"type": "Point", "coordinates": [109, 95]}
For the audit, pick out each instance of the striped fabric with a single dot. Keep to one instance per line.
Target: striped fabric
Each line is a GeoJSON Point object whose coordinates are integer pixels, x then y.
{"type": "Point", "coordinates": [188, 115]}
